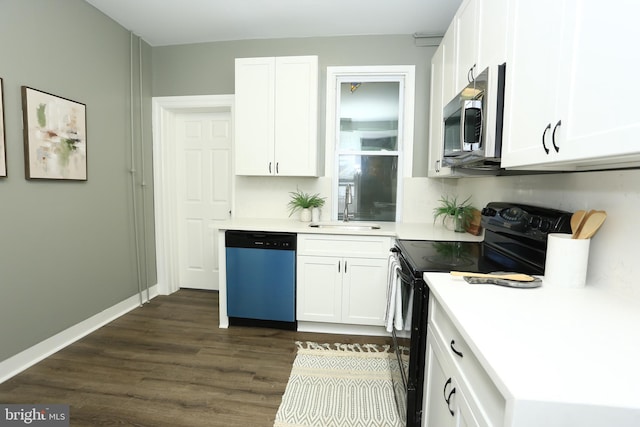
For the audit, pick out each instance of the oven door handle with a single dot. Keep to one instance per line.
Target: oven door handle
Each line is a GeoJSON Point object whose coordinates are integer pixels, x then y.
{"type": "Point", "coordinates": [403, 267]}
{"type": "Point", "coordinates": [404, 278]}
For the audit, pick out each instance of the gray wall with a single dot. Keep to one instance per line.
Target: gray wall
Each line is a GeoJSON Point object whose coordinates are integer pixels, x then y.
{"type": "Point", "coordinates": [67, 249]}
{"type": "Point", "coordinates": [208, 69]}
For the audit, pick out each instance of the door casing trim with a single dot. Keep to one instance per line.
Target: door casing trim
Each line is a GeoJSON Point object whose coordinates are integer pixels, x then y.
{"type": "Point", "coordinates": [164, 110]}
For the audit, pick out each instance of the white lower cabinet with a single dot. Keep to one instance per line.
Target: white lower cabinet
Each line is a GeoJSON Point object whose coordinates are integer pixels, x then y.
{"type": "Point", "coordinates": [457, 390]}
{"type": "Point", "coordinates": [445, 402]}
{"type": "Point", "coordinates": [342, 279]}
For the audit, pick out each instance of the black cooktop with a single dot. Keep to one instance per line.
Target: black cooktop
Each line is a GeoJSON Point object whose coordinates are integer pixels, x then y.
{"type": "Point", "coordinates": [444, 256]}
{"type": "Point", "coordinates": [430, 255]}
{"type": "Point", "coordinates": [515, 241]}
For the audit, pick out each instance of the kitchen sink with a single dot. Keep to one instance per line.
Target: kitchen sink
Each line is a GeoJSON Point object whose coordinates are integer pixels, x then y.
{"type": "Point", "coordinates": [341, 225]}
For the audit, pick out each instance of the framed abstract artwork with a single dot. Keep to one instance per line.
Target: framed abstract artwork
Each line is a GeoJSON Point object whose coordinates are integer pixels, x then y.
{"type": "Point", "coordinates": [55, 136]}
{"type": "Point", "coordinates": [3, 136]}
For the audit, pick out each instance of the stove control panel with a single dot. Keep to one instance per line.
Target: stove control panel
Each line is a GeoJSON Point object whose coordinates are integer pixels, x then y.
{"type": "Point", "coordinates": [531, 221]}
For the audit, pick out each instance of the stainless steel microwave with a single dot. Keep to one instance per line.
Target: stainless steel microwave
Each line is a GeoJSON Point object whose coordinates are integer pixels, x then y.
{"type": "Point", "coordinates": [472, 133]}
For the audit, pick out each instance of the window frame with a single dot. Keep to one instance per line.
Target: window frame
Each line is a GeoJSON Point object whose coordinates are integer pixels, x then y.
{"type": "Point", "coordinates": [405, 75]}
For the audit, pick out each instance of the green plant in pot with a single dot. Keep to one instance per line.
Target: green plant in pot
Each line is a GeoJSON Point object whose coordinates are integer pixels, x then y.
{"type": "Point", "coordinates": [455, 215]}
{"type": "Point", "coordinates": [303, 202]}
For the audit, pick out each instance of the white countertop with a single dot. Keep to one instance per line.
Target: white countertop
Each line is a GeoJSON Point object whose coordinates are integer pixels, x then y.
{"type": "Point", "coordinates": [550, 344]}
{"type": "Point", "coordinates": [418, 231]}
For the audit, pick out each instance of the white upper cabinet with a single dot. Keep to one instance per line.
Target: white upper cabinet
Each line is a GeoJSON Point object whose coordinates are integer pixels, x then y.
{"type": "Point", "coordinates": [467, 40]}
{"type": "Point", "coordinates": [474, 41]}
{"type": "Point", "coordinates": [449, 89]}
{"type": "Point", "coordinates": [296, 118]}
{"type": "Point", "coordinates": [532, 80]}
{"type": "Point", "coordinates": [605, 126]}
{"type": "Point", "coordinates": [254, 116]}
{"type": "Point", "coordinates": [492, 29]}
{"type": "Point", "coordinates": [436, 169]}
{"type": "Point", "coordinates": [480, 27]}
{"type": "Point", "coordinates": [569, 90]}
{"type": "Point", "coordinates": [276, 112]}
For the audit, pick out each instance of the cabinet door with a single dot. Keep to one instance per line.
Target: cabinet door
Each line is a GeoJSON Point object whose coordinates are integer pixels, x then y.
{"type": "Point", "coordinates": [441, 93]}
{"type": "Point", "coordinates": [364, 291]}
{"type": "Point", "coordinates": [296, 88]}
{"type": "Point", "coordinates": [436, 170]}
{"type": "Point", "coordinates": [444, 403]}
{"type": "Point", "coordinates": [532, 80]}
{"type": "Point", "coordinates": [492, 25]}
{"type": "Point", "coordinates": [598, 102]}
{"type": "Point", "coordinates": [464, 415]}
{"type": "Point", "coordinates": [254, 116]}
{"type": "Point", "coordinates": [467, 43]}
{"type": "Point", "coordinates": [449, 65]}
{"type": "Point", "coordinates": [319, 289]}
{"type": "Point", "coordinates": [437, 389]}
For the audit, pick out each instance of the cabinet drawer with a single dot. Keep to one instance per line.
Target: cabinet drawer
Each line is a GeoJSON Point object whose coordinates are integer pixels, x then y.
{"type": "Point", "coordinates": [344, 245]}
{"type": "Point", "coordinates": [485, 399]}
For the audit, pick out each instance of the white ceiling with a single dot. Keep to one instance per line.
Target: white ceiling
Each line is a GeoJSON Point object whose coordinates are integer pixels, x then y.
{"type": "Point", "coordinates": [170, 22]}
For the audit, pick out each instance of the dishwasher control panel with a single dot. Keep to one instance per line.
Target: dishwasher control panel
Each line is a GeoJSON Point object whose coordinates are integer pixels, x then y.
{"type": "Point", "coordinates": [260, 240]}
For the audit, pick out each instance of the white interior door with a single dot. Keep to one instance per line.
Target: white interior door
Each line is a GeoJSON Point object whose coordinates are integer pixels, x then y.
{"type": "Point", "coordinates": [204, 194]}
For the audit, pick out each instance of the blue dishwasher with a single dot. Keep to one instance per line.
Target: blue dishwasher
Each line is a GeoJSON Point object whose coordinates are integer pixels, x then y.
{"type": "Point", "coordinates": [261, 279]}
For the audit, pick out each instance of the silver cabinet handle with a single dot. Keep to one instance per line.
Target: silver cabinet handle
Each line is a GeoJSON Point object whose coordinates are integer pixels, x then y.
{"type": "Point", "coordinates": [470, 74]}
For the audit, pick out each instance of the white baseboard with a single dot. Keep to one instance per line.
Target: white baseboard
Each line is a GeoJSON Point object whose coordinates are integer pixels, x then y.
{"type": "Point", "coordinates": [29, 357]}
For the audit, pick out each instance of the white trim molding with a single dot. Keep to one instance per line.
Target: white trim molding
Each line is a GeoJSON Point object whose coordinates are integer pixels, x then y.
{"type": "Point", "coordinates": [29, 357]}
{"type": "Point", "coordinates": [164, 110]}
{"type": "Point", "coordinates": [404, 74]}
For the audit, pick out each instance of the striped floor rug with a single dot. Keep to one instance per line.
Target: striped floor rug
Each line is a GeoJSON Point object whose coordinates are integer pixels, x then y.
{"type": "Point", "coordinates": [336, 385]}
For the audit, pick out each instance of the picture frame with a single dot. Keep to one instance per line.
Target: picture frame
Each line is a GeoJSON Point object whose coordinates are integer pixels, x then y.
{"type": "Point", "coordinates": [55, 136]}
{"type": "Point", "coordinates": [3, 135]}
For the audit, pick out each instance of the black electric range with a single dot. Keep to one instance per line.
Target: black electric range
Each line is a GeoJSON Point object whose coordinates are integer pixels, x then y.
{"type": "Point", "coordinates": [515, 240]}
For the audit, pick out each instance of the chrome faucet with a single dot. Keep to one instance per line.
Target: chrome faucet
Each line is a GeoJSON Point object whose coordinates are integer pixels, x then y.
{"type": "Point", "coordinates": [347, 201]}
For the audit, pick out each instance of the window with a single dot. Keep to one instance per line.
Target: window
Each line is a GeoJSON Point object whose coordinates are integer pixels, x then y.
{"type": "Point", "coordinates": [369, 142]}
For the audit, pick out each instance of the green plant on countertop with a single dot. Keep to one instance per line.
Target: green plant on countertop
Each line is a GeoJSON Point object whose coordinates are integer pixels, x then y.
{"type": "Point", "coordinates": [301, 200]}
{"type": "Point", "coordinates": [449, 206]}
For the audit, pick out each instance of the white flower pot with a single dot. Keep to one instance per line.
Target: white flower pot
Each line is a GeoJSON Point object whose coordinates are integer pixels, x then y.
{"type": "Point", "coordinates": [305, 215]}
{"type": "Point", "coordinates": [453, 223]}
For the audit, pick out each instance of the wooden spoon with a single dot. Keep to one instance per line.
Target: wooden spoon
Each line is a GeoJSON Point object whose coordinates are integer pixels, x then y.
{"type": "Point", "coordinates": [576, 220]}
{"type": "Point", "coordinates": [509, 276]}
{"type": "Point", "coordinates": [591, 224]}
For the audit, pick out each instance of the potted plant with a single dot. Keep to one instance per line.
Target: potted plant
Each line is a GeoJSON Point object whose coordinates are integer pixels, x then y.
{"type": "Point", "coordinates": [304, 202]}
{"type": "Point", "coordinates": [455, 215]}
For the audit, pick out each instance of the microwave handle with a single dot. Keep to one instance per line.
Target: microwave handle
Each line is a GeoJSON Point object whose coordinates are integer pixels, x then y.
{"type": "Point", "coordinates": [467, 105]}
{"type": "Point", "coordinates": [463, 119]}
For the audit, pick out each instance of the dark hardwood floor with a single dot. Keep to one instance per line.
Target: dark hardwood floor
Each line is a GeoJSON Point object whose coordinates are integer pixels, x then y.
{"type": "Point", "coordinates": [168, 364]}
